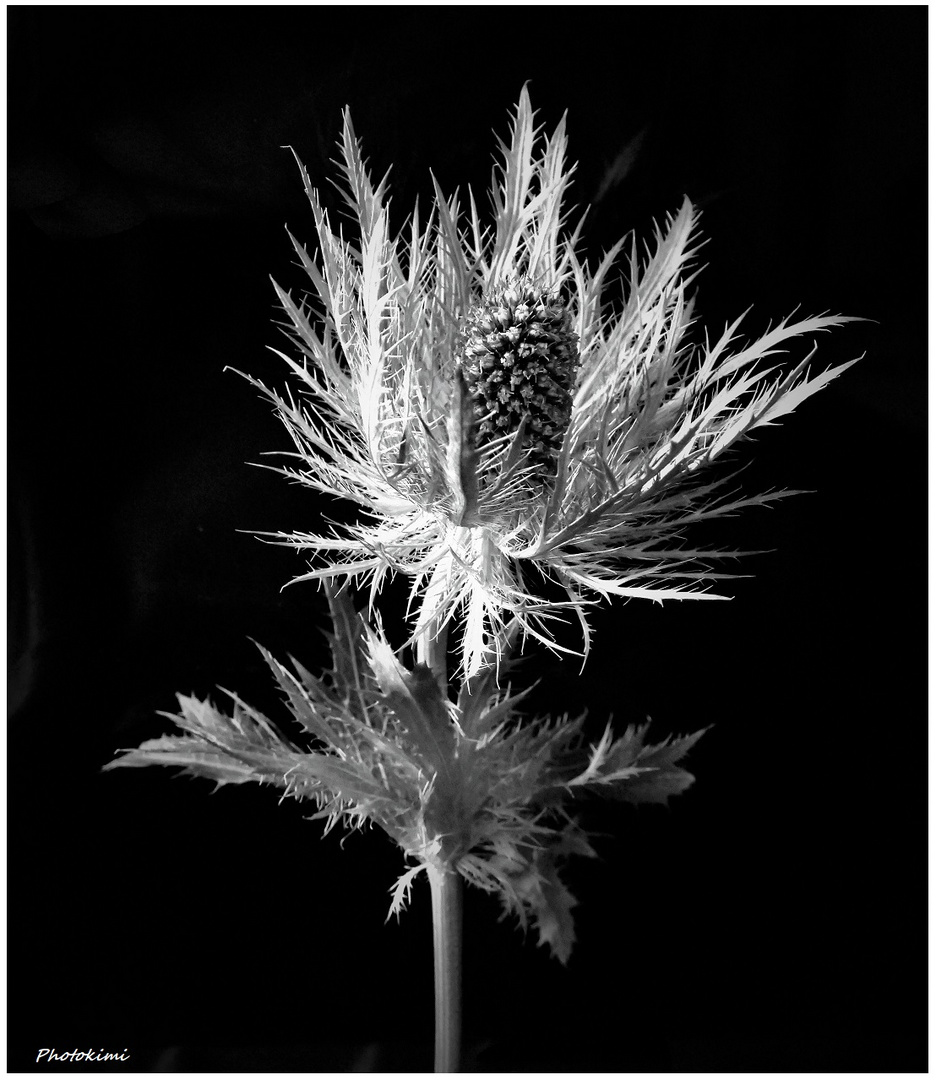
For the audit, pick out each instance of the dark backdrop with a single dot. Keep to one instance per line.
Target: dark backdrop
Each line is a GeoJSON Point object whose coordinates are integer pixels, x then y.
{"type": "Point", "coordinates": [773, 919]}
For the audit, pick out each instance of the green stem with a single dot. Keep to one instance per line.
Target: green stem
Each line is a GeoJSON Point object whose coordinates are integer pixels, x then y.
{"type": "Point", "coordinates": [431, 650]}
{"type": "Point", "coordinates": [432, 641]}
{"type": "Point", "coordinates": [446, 944]}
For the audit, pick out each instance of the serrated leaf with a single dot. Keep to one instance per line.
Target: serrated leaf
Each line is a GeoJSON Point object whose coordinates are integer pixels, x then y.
{"type": "Point", "coordinates": [306, 710]}
{"type": "Point", "coordinates": [345, 779]}
{"type": "Point", "coordinates": [246, 726]}
{"type": "Point", "coordinates": [480, 709]}
{"type": "Point", "coordinates": [191, 754]}
{"type": "Point", "coordinates": [553, 918]}
{"type": "Point", "coordinates": [416, 699]}
{"type": "Point", "coordinates": [543, 891]}
{"type": "Point", "coordinates": [657, 777]}
{"type": "Point", "coordinates": [349, 670]}
{"type": "Point", "coordinates": [244, 747]}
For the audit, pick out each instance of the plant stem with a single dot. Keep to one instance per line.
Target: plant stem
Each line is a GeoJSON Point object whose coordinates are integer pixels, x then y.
{"type": "Point", "coordinates": [431, 650]}
{"type": "Point", "coordinates": [432, 641]}
{"type": "Point", "coordinates": [446, 945]}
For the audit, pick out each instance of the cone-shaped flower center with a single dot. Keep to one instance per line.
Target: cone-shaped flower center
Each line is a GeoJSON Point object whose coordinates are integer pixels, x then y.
{"type": "Point", "coordinates": [519, 357]}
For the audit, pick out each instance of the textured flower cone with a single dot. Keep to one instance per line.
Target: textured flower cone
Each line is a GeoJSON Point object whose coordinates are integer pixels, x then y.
{"type": "Point", "coordinates": [520, 360]}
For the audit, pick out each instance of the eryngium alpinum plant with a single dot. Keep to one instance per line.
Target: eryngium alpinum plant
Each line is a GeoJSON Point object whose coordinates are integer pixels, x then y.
{"type": "Point", "coordinates": [500, 414]}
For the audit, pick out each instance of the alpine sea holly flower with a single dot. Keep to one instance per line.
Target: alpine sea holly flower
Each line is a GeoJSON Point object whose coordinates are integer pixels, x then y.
{"type": "Point", "coordinates": [493, 408]}
{"type": "Point", "coordinates": [462, 787]}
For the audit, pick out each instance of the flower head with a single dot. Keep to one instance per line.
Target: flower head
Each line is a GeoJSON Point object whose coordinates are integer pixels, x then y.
{"type": "Point", "coordinates": [494, 409]}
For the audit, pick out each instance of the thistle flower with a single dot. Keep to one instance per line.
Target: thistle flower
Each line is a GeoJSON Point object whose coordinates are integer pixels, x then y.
{"type": "Point", "coordinates": [460, 786]}
{"type": "Point", "coordinates": [476, 391]}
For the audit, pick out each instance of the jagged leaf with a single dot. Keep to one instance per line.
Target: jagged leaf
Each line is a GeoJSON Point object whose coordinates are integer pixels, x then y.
{"type": "Point", "coordinates": [349, 670]}
{"type": "Point", "coordinates": [657, 775]}
{"type": "Point", "coordinates": [193, 755]}
{"type": "Point", "coordinates": [245, 746]}
{"type": "Point", "coordinates": [552, 907]}
{"type": "Point", "coordinates": [416, 699]}
{"type": "Point", "coordinates": [301, 697]}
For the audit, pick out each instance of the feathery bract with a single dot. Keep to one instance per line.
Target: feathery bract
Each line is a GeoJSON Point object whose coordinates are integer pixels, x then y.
{"type": "Point", "coordinates": [490, 403]}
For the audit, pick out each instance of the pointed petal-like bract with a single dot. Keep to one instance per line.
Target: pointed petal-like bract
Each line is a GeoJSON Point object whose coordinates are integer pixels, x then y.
{"type": "Point", "coordinates": [380, 415]}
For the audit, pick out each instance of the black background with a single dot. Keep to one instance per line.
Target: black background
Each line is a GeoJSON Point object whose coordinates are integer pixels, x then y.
{"type": "Point", "coordinates": [773, 919]}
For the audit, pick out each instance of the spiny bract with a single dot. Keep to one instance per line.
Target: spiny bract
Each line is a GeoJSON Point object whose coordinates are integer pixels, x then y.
{"type": "Point", "coordinates": [572, 438]}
